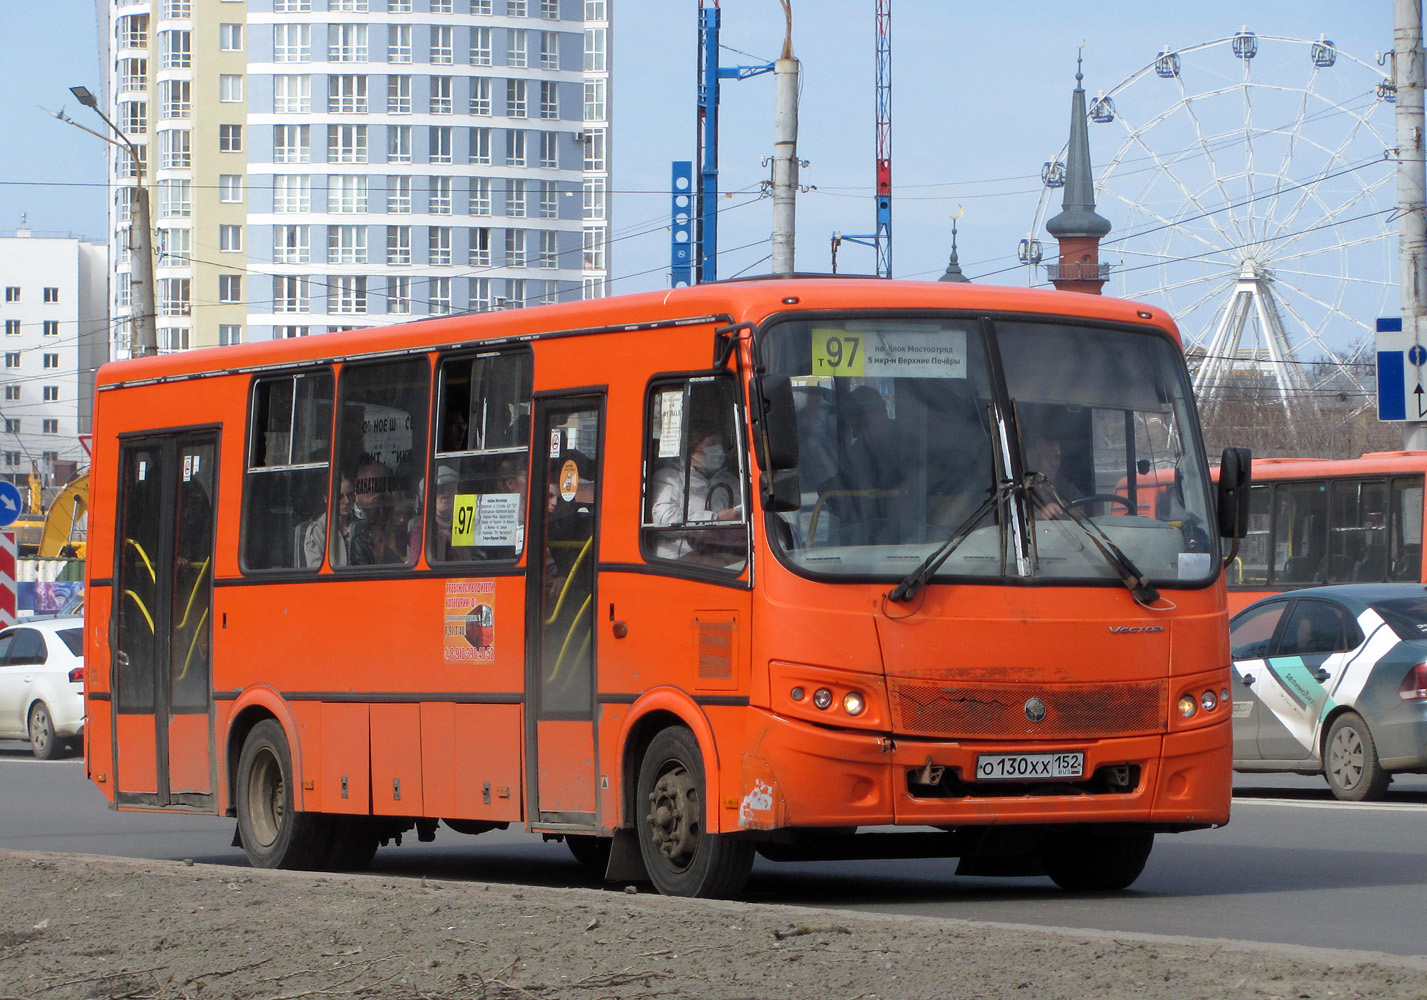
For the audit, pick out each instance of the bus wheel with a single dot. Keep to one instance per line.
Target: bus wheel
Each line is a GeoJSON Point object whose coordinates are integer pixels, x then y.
{"type": "Point", "coordinates": [682, 859]}
{"type": "Point", "coordinates": [353, 845]}
{"type": "Point", "coordinates": [1096, 860]}
{"type": "Point", "coordinates": [274, 834]}
{"type": "Point", "coordinates": [1351, 765]}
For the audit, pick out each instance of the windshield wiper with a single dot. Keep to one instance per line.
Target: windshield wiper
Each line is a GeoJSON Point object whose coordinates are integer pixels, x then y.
{"type": "Point", "coordinates": [1042, 489]}
{"type": "Point", "coordinates": [914, 580]}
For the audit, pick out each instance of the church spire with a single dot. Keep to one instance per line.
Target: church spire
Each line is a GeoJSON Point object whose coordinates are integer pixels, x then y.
{"type": "Point", "coordinates": [953, 266]}
{"type": "Point", "coordinates": [1078, 228]}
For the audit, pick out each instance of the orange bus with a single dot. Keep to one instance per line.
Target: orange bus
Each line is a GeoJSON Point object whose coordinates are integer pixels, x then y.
{"type": "Point", "coordinates": [1323, 521]}
{"type": "Point", "coordinates": [679, 577]}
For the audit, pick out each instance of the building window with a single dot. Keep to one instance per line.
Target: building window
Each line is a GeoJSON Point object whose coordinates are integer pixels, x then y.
{"type": "Point", "coordinates": [439, 149]}
{"type": "Point", "coordinates": [481, 145]}
{"type": "Point", "coordinates": [51, 294]}
{"type": "Point", "coordinates": [176, 9]}
{"type": "Point", "coordinates": [549, 252]}
{"type": "Point", "coordinates": [398, 195]}
{"type": "Point", "coordinates": [398, 143]}
{"type": "Point", "coordinates": [291, 6]}
{"type": "Point", "coordinates": [549, 50]}
{"type": "Point", "coordinates": [292, 143]}
{"type": "Point", "coordinates": [175, 148]}
{"type": "Point", "coordinates": [350, 6]}
{"type": "Point", "coordinates": [515, 199]}
{"type": "Point", "coordinates": [347, 94]}
{"type": "Point", "coordinates": [50, 426]}
{"type": "Point", "coordinates": [482, 7]}
{"type": "Point", "coordinates": [290, 332]}
{"type": "Point", "coordinates": [442, 7]}
{"type": "Point", "coordinates": [230, 189]}
{"type": "Point", "coordinates": [550, 149]}
{"type": "Point", "coordinates": [12, 328]}
{"type": "Point", "coordinates": [292, 43]}
{"type": "Point", "coordinates": [175, 338]}
{"type": "Point", "coordinates": [175, 99]}
{"type": "Point", "coordinates": [51, 361]}
{"type": "Point", "coordinates": [175, 50]}
{"type": "Point", "coordinates": [398, 43]}
{"type": "Point", "coordinates": [290, 293]}
{"type": "Point", "coordinates": [443, 49]}
{"type": "Point", "coordinates": [230, 239]}
{"type": "Point", "coordinates": [292, 95]}
{"type": "Point", "coordinates": [595, 149]}
{"type": "Point", "coordinates": [347, 244]}
{"type": "Point", "coordinates": [515, 248]}
{"type": "Point", "coordinates": [481, 96]}
{"type": "Point", "coordinates": [230, 138]}
{"type": "Point", "coordinates": [595, 61]}
{"type": "Point", "coordinates": [133, 116]}
{"type": "Point", "coordinates": [348, 294]}
{"type": "Point", "coordinates": [438, 200]}
{"type": "Point", "coordinates": [517, 54]}
{"type": "Point", "coordinates": [594, 201]}
{"type": "Point", "coordinates": [480, 196]}
{"type": "Point", "coordinates": [346, 144]}
{"type": "Point", "coordinates": [174, 297]}
{"type": "Point", "coordinates": [175, 246]}
{"type": "Point", "coordinates": [12, 393]}
{"type": "Point", "coordinates": [230, 288]}
{"type": "Point", "coordinates": [12, 426]}
{"type": "Point", "coordinates": [51, 328]}
{"type": "Point", "coordinates": [398, 95]}
{"type": "Point", "coordinates": [514, 293]}
{"type": "Point", "coordinates": [230, 38]}
{"type": "Point", "coordinates": [481, 299]}
{"type": "Point", "coordinates": [175, 199]}
{"type": "Point", "coordinates": [398, 245]}
{"type": "Point", "coordinates": [347, 43]}
{"type": "Point", "coordinates": [594, 100]}
{"type": "Point", "coordinates": [133, 75]}
{"type": "Point", "coordinates": [51, 393]}
{"type": "Point", "coordinates": [229, 334]}
{"type": "Point", "coordinates": [12, 458]}
{"type": "Point", "coordinates": [480, 46]}
{"type": "Point", "coordinates": [515, 147]}
{"type": "Point", "coordinates": [12, 359]}
{"type": "Point", "coordinates": [132, 31]}
{"type": "Point", "coordinates": [441, 91]}
{"type": "Point", "coordinates": [230, 88]}
{"type": "Point", "coordinates": [593, 249]}
{"type": "Point", "coordinates": [478, 253]}
{"type": "Point", "coordinates": [398, 295]}
{"type": "Point", "coordinates": [292, 193]}
{"type": "Point", "coordinates": [439, 302]}
{"type": "Point", "coordinates": [550, 10]}
{"type": "Point", "coordinates": [515, 8]}
{"type": "Point", "coordinates": [439, 246]}
{"type": "Point", "coordinates": [515, 98]}
{"type": "Point", "coordinates": [346, 194]}
{"type": "Point", "coordinates": [399, 6]}
{"type": "Point", "coordinates": [292, 244]}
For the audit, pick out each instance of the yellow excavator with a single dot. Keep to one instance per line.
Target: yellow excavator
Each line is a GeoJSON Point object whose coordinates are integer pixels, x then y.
{"type": "Point", "coordinates": [64, 516]}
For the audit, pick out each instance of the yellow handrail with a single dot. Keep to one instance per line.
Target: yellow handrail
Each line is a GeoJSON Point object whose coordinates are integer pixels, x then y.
{"type": "Point", "coordinates": [569, 579]}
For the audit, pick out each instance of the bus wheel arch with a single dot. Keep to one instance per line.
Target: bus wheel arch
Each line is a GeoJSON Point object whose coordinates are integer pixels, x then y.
{"type": "Point", "coordinates": [253, 707]}
{"type": "Point", "coordinates": [273, 831]}
{"type": "Point", "coordinates": [655, 711]}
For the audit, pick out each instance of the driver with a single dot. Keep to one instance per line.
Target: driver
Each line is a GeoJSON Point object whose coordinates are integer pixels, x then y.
{"type": "Point", "coordinates": [1043, 456]}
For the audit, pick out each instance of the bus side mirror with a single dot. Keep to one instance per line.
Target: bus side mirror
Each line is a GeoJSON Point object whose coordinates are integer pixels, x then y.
{"type": "Point", "coordinates": [1235, 472]}
{"type": "Point", "coordinates": [775, 424]}
{"type": "Point", "coordinates": [782, 493]}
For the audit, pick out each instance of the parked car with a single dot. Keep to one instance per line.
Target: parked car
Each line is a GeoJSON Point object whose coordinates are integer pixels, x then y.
{"type": "Point", "coordinates": [1333, 681]}
{"type": "Point", "coordinates": [42, 683]}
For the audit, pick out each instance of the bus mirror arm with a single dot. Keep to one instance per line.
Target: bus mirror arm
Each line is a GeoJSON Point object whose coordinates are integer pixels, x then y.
{"type": "Point", "coordinates": [725, 340]}
{"type": "Point", "coordinates": [775, 423]}
{"type": "Point", "coordinates": [1235, 474]}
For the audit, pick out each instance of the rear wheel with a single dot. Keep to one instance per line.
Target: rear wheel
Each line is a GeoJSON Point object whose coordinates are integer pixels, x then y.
{"type": "Point", "coordinates": [1350, 761]}
{"type": "Point", "coordinates": [274, 833]}
{"type": "Point", "coordinates": [44, 744]}
{"type": "Point", "coordinates": [681, 857]}
{"type": "Point", "coordinates": [1097, 860]}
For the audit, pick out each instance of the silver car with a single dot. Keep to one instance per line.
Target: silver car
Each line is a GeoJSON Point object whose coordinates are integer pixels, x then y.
{"type": "Point", "coordinates": [42, 684]}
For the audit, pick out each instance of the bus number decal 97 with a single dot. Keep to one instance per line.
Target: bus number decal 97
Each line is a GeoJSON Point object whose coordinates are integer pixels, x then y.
{"type": "Point", "coordinates": [837, 352]}
{"type": "Point", "coordinates": [463, 520]}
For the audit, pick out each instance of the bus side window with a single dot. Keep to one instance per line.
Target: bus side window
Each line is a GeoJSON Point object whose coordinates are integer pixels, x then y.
{"type": "Point", "coordinates": [481, 459]}
{"type": "Point", "coordinates": [695, 509]}
{"type": "Point", "coordinates": [381, 441]}
{"type": "Point", "coordinates": [289, 454]}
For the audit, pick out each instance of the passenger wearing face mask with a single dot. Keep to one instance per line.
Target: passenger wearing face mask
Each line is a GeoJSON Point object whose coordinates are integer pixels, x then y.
{"type": "Point", "coordinates": [708, 492]}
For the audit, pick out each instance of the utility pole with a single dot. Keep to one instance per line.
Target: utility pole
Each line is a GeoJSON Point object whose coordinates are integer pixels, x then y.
{"type": "Point", "coordinates": [785, 152]}
{"type": "Point", "coordinates": [1407, 77]}
{"type": "Point", "coordinates": [146, 341]}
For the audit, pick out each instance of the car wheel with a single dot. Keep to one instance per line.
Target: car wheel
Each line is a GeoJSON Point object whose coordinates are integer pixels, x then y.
{"type": "Point", "coordinates": [273, 832]}
{"type": "Point", "coordinates": [44, 744]}
{"type": "Point", "coordinates": [1096, 860]}
{"type": "Point", "coordinates": [680, 856]}
{"type": "Point", "coordinates": [1350, 761]}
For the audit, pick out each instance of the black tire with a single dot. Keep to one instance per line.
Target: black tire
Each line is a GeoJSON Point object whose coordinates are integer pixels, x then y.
{"type": "Point", "coordinates": [679, 856]}
{"type": "Point", "coordinates": [1350, 761]}
{"type": "Point", "coordinates": [1096, 859]}
{"type": "Point", "coordinates": [591, 852]}
{"type": "Point", "coordinates": [44, 744]}
{"type": "Point", "coordinates": [274, 833]}
{"type": "Point", "coordinates": [352, 845]}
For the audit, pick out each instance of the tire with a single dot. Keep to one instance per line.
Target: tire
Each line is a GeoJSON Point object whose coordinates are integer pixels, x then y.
{"type": "Point", "coordinates": [44, 744]}
{"type": "Point", "coordinates": [679, 856]}
{"type": "Point", "coordinates": [352, 844]}
{"type": "Point", "coordinates": [1350, 761]}
{"type": "Point", "coordinates": [1096, 860]}
{"type": "Point", "coordinates": [274, 833]}
{"type": "Point", "coordinates": [591, 852]}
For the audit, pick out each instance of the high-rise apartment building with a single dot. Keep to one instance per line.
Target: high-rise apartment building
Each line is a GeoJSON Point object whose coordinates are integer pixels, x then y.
{"type": "Point", "coordinates": [52, 305]}
{"type": "Point", "coordinates": [318, 165]}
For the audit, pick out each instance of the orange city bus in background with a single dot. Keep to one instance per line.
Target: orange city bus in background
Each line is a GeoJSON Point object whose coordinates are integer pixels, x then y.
{"type": "Point", "coordinates": [680, 577]}
{"type": "Point", "coordinates": [1314, 522]}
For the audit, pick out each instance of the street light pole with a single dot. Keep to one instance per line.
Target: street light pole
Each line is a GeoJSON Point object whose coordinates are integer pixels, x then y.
{"type": "Point", "coordinates": [146, 341]}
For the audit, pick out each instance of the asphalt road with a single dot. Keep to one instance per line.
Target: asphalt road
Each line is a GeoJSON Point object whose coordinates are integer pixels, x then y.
{"type": "Point", "coordinates": [1293, 866]}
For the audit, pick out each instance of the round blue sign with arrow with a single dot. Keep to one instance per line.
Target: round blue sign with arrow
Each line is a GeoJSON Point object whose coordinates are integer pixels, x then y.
{"type": "Point", "coordinates": [9, 503]}
{"type": "Point", "coordinates": [1417, 354]}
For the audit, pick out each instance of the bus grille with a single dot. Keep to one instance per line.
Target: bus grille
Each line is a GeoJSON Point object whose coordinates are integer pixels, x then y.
{"type": "Point", "coordinates": [928, 708]}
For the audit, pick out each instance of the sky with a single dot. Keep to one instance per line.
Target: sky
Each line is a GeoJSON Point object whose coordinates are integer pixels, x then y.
{"type": "Point", "coordinates": [980, 100]}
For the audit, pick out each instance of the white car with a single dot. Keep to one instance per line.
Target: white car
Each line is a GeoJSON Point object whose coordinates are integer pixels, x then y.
{"type": "Point", "coordinates": [42, 683]}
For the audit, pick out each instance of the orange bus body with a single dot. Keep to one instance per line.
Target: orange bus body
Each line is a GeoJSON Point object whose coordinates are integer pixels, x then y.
{"type": "Point", "coordinates": [1315, 522]}
{"type": "Point", "coordinates": [355, 672]}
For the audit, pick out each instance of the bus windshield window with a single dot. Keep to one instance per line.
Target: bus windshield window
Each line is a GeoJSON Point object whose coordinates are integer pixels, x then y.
{"type": "Point", "coordinates": [899, 448]}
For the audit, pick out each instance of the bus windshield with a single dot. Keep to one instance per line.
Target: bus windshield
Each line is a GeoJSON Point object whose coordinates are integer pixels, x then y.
{"type": "Point", "coordinates": [1048, 444]}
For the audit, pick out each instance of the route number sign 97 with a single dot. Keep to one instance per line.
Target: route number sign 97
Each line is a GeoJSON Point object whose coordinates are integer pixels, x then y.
{"type": "Point", "coordinates": [838, 352]}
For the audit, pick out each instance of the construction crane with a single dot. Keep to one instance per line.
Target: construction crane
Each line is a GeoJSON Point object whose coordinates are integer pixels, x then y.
{"type": "Point", "coordinates": [881, 238]}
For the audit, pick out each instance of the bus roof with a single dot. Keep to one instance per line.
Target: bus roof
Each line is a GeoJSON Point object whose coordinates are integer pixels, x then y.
{"type": "Point", "coordinates": [1374, 462]}
{"type": "Point", "coordinates": [747, 300]}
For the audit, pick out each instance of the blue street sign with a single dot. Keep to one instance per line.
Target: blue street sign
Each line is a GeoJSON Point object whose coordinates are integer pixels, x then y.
{"type": "Point", "coordinates": [9, 503]}
{"type": "Point", "coordinates": [1389, 324]}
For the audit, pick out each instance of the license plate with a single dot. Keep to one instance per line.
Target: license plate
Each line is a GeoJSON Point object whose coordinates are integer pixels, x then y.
{"type": "Point", "coordinates": [1029, 766]}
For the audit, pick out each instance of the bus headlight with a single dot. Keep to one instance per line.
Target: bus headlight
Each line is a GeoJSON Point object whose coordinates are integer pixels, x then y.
{"type": "Point", "coordinates": [852, 703]}
{"type": "Point", "coordinates": [1188, 705]}
{"type": "Point", "coordinates": [1209, 701]}
{"type": "Point", "coordinates": [822, 697]}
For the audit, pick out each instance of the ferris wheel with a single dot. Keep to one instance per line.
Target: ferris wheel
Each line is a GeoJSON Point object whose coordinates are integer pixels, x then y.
{"type": "Point", "coordinates": [1250, 193]}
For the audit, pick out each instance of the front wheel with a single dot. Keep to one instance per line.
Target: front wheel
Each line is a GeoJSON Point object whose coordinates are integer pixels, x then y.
{"type": "Point", "coordinates": [682, 859]}
{"type": "Point", "coordinates": [1096, 860]}
{"type": "Point", "coordinates": [1350, 761]}
{"type": "Point", "coordinates": [44, 744]}
{"type": "Point", "coordinates": [274, 833]}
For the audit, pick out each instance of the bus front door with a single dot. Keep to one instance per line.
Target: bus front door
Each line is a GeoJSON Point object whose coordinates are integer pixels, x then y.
{"type": "Point", "coordinates": [161, 673]}
{"type": "Point", "coordinates": [560, 667]}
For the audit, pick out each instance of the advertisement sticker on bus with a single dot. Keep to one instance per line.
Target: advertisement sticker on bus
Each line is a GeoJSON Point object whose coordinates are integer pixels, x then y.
{"type": "Point", "coordinates": [470, 621]}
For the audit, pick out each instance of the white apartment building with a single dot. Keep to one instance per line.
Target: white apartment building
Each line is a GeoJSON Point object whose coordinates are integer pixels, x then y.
{"type": "Point", "coordinates": [53, 306]}
{"type": "Point", "coordinates": [318, 165]}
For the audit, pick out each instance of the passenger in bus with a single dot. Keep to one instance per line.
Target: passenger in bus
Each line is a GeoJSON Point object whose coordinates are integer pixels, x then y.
{"type": "Point", "coordinates": [378, 535]}
{"type": "Point", "coordinates": [314, 543]}
{"type": "Point", "coordinates": [712, 495]}
{"type": "Point", "coordinates": [443, 504]}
